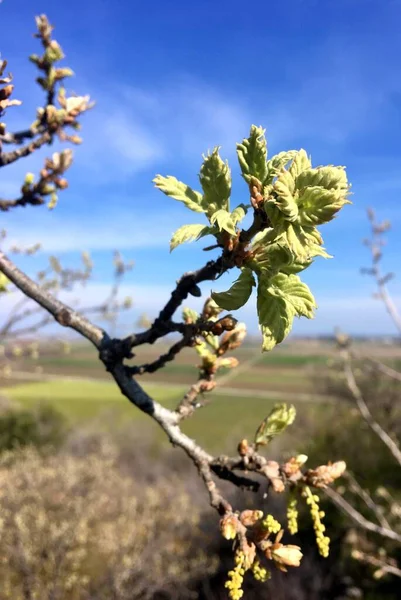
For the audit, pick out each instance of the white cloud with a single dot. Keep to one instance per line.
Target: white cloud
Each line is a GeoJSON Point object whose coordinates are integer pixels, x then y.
{"type": "Point", "coordinates": [178, 121]}
{"type": "Point", "coordinates": [120, 229]}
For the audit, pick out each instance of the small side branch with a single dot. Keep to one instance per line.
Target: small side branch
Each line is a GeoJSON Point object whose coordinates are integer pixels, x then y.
{"type": "Point", "coordinates": [364, 409]}
{"type": "Point", "coordinates": [7, 158]}
{"type": "Point", "coordinates": [360, 519]}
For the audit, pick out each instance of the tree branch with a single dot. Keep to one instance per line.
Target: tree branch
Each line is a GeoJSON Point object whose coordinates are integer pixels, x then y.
{"type": "Point", "coordinates": [360, 519]}
{"type": "Point", "coordinates": [364, 410]}
{"type": "Point", "coordinates": [7, 158]}
{"type": "Point", "coordinates": [386, 370]}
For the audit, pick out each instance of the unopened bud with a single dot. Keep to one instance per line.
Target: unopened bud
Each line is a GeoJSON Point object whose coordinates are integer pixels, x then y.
{"type": "Point", "coordinates": [243, 447]}
{"type": "Point", "coordinates": [229, 526]}
{"type": "Point", "coordinates": [250, 517]}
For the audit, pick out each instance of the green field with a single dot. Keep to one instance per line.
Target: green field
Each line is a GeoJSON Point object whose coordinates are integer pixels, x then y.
{"type": "Point", "coordinates": [83, 390]}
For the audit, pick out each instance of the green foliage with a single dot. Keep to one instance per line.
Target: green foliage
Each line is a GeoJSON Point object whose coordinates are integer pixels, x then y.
{"type": "Point", "coordinates": [294, 197]}
{"type": "Point", "coordinates": [239, 213]}
{"type": "Point", "coordinates": [179, 191]}
{"type": "Point", "coordinates": [44, 426]}
{"type": "Point", "coordinates": [215, 179]}
{"type": "Point", "coordinates": [280, 299]}
{"type": "Point", "coordinates": [252, 154]}
{"type": "Point", "coordinates": [188, 233]}
{"type": "Point", "coordinates": [280, 417]}
{"type": "Point", "coordinates": [238, 294]}
{"type": "Point", "coordinates": [223, 220]}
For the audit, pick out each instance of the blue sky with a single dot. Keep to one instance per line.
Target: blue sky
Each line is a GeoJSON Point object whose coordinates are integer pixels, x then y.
{"type": "Point", "coordinates": [173, 79]}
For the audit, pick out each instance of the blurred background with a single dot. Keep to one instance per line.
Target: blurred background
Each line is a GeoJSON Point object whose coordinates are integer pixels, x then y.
{"type": "Point", "coordinates": [95, 503]}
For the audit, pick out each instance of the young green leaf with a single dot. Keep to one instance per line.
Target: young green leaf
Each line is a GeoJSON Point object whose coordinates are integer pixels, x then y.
{"type": "Point", "coordinates": [278, 162]}
{"type": "Point", "coordinates": [280, 417]}
{"type": "Point", "coordinates": [297, 240]}
{"type": "Point", "coordinates": [275, 315]}
{"type": "Point", "coordinates": [223, 219]}
{"type": "Point", "coordinates": [327, 177]}
{"type": "Point", "coordinates": [284, 187]}
{"type": "Point", "coordinates": [296, 267]}
{"type": "Point", "coordinates": [271, 258]}
{"type": "Point", "coordinates": [239, 213]}
{"type": "Point", "coordinates": [252, 155]}
{"type": "Point", "coordinates": [300, 164]}
{"type": "Point", "coordinates": [215, 179]}
{"type": "Point", "coordinates": [238, 294]}
{"type": "Point", "coordinates": [318, 205]}
{"type": "Point", "coordinates": [189, 315]}
{"type": "Point", "coordinates": [188, 233]}
{"type": "Point", "coordinates": [294, 292]}
{"type": "Point", "coordinates": [180, 191]}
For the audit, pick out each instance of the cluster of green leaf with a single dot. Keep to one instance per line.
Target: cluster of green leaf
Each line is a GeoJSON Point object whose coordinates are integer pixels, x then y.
{"type": "Point", "coordinates": [295, 198]}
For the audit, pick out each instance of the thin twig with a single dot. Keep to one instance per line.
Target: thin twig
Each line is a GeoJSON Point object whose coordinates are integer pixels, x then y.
{"type": "Point", "coordinates": [360, 519]}
{"type": "Point", "coordinates": [385, 369]}
{"type": "Point", "coordinates": [363, 407]}
{"type": "Point", "coordinates": [367, 498]}
{"type": "Point", "coordinates": [7, 158]}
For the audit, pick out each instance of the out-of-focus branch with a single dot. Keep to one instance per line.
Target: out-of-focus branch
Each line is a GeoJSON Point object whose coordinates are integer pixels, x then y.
{"type": "Point", "coordinates": [363, 407]}
{"type": "Point", "coordinates": [58, 113]}
{"type": "Point", "coordinates": [359, 519]}
{"type": "Point", "coordinates": [7, 158]}
{"type": "Point", "coordinates": [385, 369]}
{"type": "Point", "coordinates": [375, 243]}
{"type": "Point", "coordinates": [382, 565]}
{"type": "Point", "coordinates": [355, 488]}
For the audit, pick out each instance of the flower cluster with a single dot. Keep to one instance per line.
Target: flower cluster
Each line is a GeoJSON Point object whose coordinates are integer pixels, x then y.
{"type": "Point", "coordinates": [322, 540]}
{"type": "Point", "coordinates": [260, 573]}
{"type": "Point", "coordinates": [292, 515]}
{"type": "Point", "coordinates": [271, 524]}
{"type": "Point", "coordinates": [236, 577]}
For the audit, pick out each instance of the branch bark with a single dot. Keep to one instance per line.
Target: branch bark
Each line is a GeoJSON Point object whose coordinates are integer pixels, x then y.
{"type": "Point", "coordinates": [360, 519]}
{"type": "Point", "coordinates": [364, 409]}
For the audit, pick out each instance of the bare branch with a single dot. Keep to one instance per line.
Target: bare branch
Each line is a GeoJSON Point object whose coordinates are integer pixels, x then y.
{"type": "Point", "coordinates": [360, 519]}
{"type": "Point", "coordinates": [385, 369]}
{"type": "Point", "coordinates": [7, 158]}
{"type": "Point", "coordinates": [382, 565]}
{"type": "Point", "coordinates": [375, 245]}
{"type": "Point", "coordinates": [363, 408]}
{"type": "Point", "coordinates": [62, 313]}
{"type": "Point", "coordinates": [367, 498]}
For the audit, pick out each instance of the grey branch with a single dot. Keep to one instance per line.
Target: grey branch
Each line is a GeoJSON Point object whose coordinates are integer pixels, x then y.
{"type": "Point", "coordinates": [360, 519]}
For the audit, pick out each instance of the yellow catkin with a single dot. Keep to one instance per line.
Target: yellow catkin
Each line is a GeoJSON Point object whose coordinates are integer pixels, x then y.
{"type": "Point", "coordinates": [270, 524]}
{"type": "Point", "coordinates": [322, 540]}
{"type": "Point", "coordinates": [236, 577]}
{"type": "Point", "coordinates": [292, 515]}
{"type": "Point", "coordinates": [259, 572]}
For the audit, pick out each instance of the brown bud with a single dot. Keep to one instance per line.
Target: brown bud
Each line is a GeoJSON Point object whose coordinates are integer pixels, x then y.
{"type": "Point", "coordinates": [229, 526]}
{"type": "Point", "coordinates": [324, 475]}
{"type": "Point", "coordinates": [293, 465]}
{"type": "Point", "coordinates": [207, 386]}
{"type": "Point", "coordinates": [62, 184]}
{"type": "Point", "coordinates": [6, 92]}
{"type": "Point", "coordinates": [250, 517]}
{"type": "Point", "coordinates": [217, 328]}
{"type": "Point", "coordinates": [228, 323]}
{"type": "Point", "coordinates": [243, 448]}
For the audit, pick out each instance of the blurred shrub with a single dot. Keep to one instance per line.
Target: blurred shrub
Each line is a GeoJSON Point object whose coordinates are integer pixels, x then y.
{"type": "Point", "coordinates": [43, 426]}
{"type": "Point", "coordinates": [341, 431]}
{"type": "Point", "coordinates": [78, 528]}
